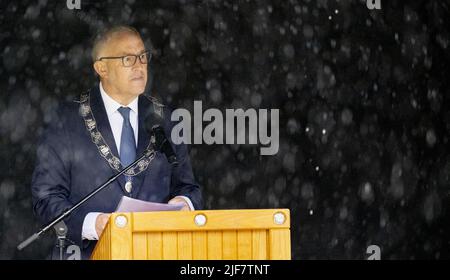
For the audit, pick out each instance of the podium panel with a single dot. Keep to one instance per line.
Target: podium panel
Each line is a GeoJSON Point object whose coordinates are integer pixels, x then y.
{"type": "Point", "coordinates": [262, 234]}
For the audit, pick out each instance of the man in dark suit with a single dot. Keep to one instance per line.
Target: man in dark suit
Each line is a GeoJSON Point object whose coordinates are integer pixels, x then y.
{"type": "Point", "coordinates": [93, 138]}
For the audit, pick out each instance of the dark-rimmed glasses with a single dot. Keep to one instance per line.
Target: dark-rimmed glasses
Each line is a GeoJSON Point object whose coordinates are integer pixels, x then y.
{"type": "Point", "coordinates": [130, 59]}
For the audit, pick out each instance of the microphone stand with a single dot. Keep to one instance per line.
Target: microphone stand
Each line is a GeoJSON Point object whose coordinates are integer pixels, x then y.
{"type": "Point", "coordinates": [61, 232]}
{"type": "Point", "coordinates": [69, 211]}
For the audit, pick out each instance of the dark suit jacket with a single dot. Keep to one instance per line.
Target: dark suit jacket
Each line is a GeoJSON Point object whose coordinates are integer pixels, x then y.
{"type": "Point", "coordinates": [69, 166]}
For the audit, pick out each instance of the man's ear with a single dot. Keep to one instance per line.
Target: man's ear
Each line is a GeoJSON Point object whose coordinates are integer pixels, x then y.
{"type": "Point", "coordinates": [101, 69]}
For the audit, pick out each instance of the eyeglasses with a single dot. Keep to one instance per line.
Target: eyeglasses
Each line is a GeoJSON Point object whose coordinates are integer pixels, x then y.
{"type": "Point", "coordinates": [130, 60]}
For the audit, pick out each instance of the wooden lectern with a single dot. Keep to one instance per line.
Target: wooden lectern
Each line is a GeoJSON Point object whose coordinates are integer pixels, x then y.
{"type": "Point", "coordinates": [197, 235]}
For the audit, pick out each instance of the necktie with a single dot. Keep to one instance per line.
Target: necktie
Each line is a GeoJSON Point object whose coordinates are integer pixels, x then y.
{"type": "Point", "coordinates": [127, 143]}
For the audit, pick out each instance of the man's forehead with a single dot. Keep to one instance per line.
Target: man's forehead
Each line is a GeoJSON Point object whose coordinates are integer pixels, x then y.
{"type": "Point", "coordinates": [125, 43]}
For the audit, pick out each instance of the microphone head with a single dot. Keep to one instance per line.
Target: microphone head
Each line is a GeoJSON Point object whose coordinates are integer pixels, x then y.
{"type": "Point", "coordinates": [173, 160]}
{"type": "Point", "coordinates": [158, 133]}
{"type": "Point", "coordinates": [163, 145]}
{"type": "Point", "coordinates": [150, 122]}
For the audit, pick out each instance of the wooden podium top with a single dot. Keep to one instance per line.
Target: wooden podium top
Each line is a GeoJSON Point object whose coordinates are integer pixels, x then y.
{"type": "Point", "coordinates": [201, 234]}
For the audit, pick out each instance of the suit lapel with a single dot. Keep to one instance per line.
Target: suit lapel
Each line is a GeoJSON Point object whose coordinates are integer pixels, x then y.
{"type": "Point", "coordinates": [99, 111]}
{"type": "Point", "coordinates": [143, 136]}
{"type": "Point", "coordinates": [145, 110]}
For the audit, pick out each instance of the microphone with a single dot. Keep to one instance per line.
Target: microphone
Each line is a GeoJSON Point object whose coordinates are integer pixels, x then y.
{"type": "Point", "coordinates": [161, 143]}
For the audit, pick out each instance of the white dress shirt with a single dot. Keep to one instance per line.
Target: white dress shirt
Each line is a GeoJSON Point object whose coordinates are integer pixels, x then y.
{"type": "Point", "coordinates": [115, 121]}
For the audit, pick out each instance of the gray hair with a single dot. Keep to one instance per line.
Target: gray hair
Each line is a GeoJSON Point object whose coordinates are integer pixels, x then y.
{"type": "Point", "coordinates": [104, 36]}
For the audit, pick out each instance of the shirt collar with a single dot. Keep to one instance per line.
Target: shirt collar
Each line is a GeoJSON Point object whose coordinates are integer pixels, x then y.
{"type": "Point", "coordinates": [112, 105]}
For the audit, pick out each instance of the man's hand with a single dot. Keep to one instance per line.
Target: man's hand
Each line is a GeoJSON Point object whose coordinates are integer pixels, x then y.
{"type": "Point", "coordinates": [100, 223]}
{"type": "Point", "coordinates": [178, 200]}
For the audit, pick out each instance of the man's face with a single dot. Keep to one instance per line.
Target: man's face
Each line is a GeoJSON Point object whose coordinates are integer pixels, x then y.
{"type": "Point", "coordinates": [128, 82]}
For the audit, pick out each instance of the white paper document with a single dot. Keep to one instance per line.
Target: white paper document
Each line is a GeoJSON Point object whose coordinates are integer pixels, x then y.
{"type": "Point", "coordinates": [128, 204]}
